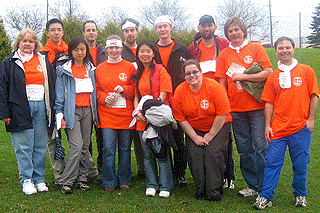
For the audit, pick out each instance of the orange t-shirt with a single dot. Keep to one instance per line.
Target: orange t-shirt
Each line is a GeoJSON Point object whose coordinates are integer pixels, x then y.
{"type": "Point", "coordinates": [207, 53]}
{"type": "Point", "coordinates": [82, 99]}
{"type": "Point", "coordinates": [291, 106]}
{"type": "Point", "coordinates": [145, 89]}
{"type": "Point", "coordinates": [134, 50]}
{"type": "Point", "coordinates": [93, 53]}
{"type": "Point", "coordinates": [108, 76]}
{"type": "Point", "coordinates": [165, 52]}
{"type": "Point", "coordinates": [200, 108]}
{"type": "Point", "coordinates": [33, 71]}
{"type": "Point", "coordinates": [253, 52]}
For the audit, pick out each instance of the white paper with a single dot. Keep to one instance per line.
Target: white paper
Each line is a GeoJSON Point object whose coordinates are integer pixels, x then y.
{"type": "Point", "coordinates": [84, 85]}
{"type": "Point", "coordinates": [208, 66]}
{"type": "Point", "coordinates": [235, 68]}
{"type": "Point", "coordinates": [35, 92]}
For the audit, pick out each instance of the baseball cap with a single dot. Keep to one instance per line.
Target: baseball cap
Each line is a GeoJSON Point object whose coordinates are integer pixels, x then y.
{"type": "Point", "coordinates": [206, 18]}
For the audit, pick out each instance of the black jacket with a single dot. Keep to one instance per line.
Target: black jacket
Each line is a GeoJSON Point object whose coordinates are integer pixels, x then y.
{"type": "Point", "coordinates": [178, 56]}
{"type": "Point", "coordinates": [102, 54]}
{"type": "Point", "coordinates": [13, 99]}
{"type": "Point", "coordinates": [127, 54]}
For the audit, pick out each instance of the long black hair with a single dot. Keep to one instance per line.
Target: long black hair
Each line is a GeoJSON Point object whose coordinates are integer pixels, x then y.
{"type": "Point", "coordinates": [73, 44]}
{"type": "Point", "coordinates": [139, 63]}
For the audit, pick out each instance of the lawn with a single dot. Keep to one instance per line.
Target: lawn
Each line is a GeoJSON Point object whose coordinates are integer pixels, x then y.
{"type": "Point", "coordinates": [182, 199]}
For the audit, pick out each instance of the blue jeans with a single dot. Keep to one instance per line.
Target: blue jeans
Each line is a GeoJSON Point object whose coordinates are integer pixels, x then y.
{"type": "Point", "coordinates": [248, 129]}
{"type": "Point", "coordinates": [162, 181]}
{"type": "Point", "coordinates": [299, 149]}
{"type": "Point", "coordinates": [113, 138]}
{"type": "Point", "coordinates": [30, 145]}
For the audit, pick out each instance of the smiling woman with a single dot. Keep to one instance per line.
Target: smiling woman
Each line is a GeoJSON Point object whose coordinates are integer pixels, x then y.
{"type": "Point", "coordinates": [26, 100]}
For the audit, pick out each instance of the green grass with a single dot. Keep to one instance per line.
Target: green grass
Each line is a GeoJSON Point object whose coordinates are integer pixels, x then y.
{"type": "Point", "coordinates": [182, 199]}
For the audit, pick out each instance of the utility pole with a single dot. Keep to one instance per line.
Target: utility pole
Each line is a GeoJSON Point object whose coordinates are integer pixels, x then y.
{"type": "Point", "coordinates": [300, 39]}
{"type": "Point", "coordinates": [47, 10]}
{"type": "Point", "coordinates": [270, 23]}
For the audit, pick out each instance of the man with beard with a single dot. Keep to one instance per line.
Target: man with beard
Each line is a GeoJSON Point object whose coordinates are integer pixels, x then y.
{"type": "Point", "coordinates": [206, 46]}
{"type": "Point", "coordinates": [130, 30]}
{"type": "Point", "coordinates": [205, 49]}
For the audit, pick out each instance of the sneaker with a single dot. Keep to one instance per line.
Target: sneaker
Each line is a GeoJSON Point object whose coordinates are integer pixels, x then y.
{"type": "Point", "coordinates": [164, 194]}
{"type": "Point", "coordinates": [231, 185]}
{"type": "Point", "coordinates": [301, 201]}
{"type": "Point", "coordinates": [28, 187]}
{"type": "Point", "coordinates": [41, 187]}
{"type": "Point", "coordinates": [66, 189]}
{"type": "Point", "coordinates": [262, 203]}
{"type": "Point", "coordinates": [247, 192]}
{"type": "Point", "coordinates": [83, 186]}
{"type": "Point", "coordinates": [110, 190]}
{"type": "Point", "coordinates": [181, 181]}
{"type": "Point", "coordinates": [124, 188]}
{"type": "Point", "coordinates": [150, 192]}
{"type": "Point", "coordinates": [96, 179]}
{"type": "Point", "coordinates": [225, 183]}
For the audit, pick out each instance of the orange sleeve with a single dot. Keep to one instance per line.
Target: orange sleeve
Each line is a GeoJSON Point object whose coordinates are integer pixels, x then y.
{"type": "Point", "coordinates": [177, 105]}
{"type": "Point", "coordinates": [165, 81]}
{"type": "Point", "coordinates": [101, 94]}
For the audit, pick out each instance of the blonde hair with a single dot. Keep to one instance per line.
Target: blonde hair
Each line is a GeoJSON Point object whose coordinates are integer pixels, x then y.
{"type": "Point", "coordinates": [15, 44]}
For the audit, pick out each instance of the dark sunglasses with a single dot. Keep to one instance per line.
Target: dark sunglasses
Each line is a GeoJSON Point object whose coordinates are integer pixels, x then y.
{"type": "Point", "coordinates": [194, 72]}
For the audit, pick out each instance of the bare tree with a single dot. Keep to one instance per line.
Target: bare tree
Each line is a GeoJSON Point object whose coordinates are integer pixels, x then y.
{"type": "Point", "coordinates": [68, 8]}
{"type": "Point", "coordinates": [22, 17]}
{"type": "Point", "coordinates": [172, 8]}
{"type": "Point", "coordinates": [113, 14]}
{"type": "Point", "coordinates": [255, 16]}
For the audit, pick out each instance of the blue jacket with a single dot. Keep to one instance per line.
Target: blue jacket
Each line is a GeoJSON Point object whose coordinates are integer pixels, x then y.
{"type": "Point", "coordinates": [66, 93]}
{"type": "Point", "coordinates": [13, 99]}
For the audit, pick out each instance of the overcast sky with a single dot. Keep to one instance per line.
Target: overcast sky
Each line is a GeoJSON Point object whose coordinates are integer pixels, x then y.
{"type": "Point", "coordinates": [286, 12]}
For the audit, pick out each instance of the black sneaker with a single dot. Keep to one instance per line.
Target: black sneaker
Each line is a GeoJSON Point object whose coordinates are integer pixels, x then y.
{"type": "Point", "coordinates": [83, 186]}
{"type": "Point", "coordinates": [65, 189]}
{"type": "Point", "coordinates": [181, 181]}
{"type": "Point", "coordinates": [96, 179]}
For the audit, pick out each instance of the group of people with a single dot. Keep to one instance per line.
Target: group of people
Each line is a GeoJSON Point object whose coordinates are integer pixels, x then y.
{"type": "Point", "coordinates": [213, 88]}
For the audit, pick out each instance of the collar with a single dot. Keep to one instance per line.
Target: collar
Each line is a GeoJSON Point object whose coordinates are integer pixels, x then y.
{"type": "Point", "coordinates": [24, 56]}
{"type": "Point", "coordinates": [114, 61]}
{"type": "Point", "coordinates": [287, 68]}
{"type": "Point", "coordinates": [237, 49]}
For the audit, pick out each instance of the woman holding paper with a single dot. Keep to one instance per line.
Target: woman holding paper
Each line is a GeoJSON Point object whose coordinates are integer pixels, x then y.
{"type": "Point", "coordinates": [76, 105]}
{"type": "Point", "coordinates": [115, 92]}
{"type": "Point", "coordinates": [26, 98]}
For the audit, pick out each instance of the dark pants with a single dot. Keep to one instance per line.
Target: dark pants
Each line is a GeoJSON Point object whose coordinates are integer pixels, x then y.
{"type": "Point", "coordinates": [180, 155]}
{"type": "Point", "coordinates": [99, 140]}
{"type": "Point", "coordinates": [138, 153]}
{"type": "Point", "coordinates": [207, 164]}
{"type": "Point", "coordinates": [230, 165]}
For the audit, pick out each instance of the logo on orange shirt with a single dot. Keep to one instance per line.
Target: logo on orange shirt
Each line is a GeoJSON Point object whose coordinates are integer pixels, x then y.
{"type": "Point", "coordinates": [123, 77]}
{"type": "Point", "coordinates": [39, 68]}
{"type": "Point", "coordinates": [248, 59]}
{"type": "Point", "coordinates": [297, 81]}
{"type": "Point", "coordinates": [204, 104]}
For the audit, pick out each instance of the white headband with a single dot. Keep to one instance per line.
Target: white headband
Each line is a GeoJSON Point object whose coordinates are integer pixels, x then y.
{"type": "Point", "coordinates": [113, 43]}
{"type": "Point", "coordinates": [165, 19]}
{"type": "Point", "coordinates": [128, 24]}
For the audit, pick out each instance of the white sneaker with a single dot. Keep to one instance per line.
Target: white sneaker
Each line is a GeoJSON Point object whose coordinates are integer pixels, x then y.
{"type": "Point", "coordinates": [247, 192]}
{"type": "Point", "coordinates": [150, 192]}
{"type": "Point", "coordinates": [28, 187]}
{"type": "Point", "coordinates": [225, 183]}
{"type": "Point", "coordinates": [42, 187]}
{"type": "Point", "coordinates": [301, 201]}
{"type": "Point", "coordinates": [164, 194]}
{"type": "Point", "coordinates": [231, 185]}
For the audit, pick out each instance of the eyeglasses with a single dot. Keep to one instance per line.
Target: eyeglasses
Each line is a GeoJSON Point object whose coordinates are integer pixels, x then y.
{"type": "Point", "coordinates": [194, 72]}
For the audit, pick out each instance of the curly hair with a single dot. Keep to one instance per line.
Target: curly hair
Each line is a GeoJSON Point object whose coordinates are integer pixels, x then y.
{"type": "Point", "coordinates": [21, 35]}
